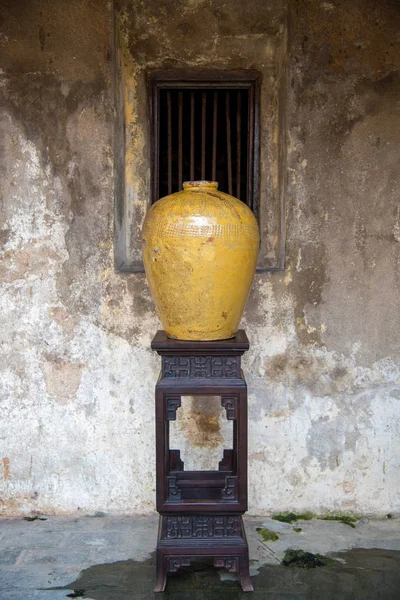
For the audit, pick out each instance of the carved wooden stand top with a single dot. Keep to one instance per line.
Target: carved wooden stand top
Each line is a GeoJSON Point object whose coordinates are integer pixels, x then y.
{"type": "Point", "coordinates": [201, 510]}
{"type": "Point", "coordinates": [200, 360]}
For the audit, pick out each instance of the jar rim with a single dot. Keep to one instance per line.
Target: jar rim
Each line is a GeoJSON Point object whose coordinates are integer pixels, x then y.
{"type": "Point", "coordinates": [200, 183]}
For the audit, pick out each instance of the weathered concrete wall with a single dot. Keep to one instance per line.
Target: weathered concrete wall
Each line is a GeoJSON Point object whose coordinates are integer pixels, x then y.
{"type": "Point", "coordinates": [77, 375]}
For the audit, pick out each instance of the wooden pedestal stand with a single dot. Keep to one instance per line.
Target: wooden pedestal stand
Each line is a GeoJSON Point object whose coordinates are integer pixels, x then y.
{"type": "Point", "coordinates": [200, 511]}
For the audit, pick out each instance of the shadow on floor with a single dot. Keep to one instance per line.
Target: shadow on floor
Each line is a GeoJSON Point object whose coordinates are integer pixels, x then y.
{"type": "Point", "coordinates": [358, 575]}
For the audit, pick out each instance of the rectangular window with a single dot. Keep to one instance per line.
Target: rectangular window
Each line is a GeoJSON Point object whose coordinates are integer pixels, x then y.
{"type": "Point", "coordinates": [141, 126]}
{"type": "Point", "coordinates": [205, 126]}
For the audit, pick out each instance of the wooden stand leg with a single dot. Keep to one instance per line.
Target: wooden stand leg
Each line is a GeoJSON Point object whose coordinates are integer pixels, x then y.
{"type": "Point", "coordinates": [244, 575]}
{"type": "Point", "coordinates": [161, 580]}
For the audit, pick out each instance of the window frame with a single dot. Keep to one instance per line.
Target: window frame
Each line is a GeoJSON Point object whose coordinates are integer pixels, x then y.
{"type": "Point", "coordinates": [244, 79]}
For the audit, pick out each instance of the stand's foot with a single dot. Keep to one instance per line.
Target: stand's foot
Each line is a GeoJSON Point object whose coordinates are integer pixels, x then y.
{"type": "Point", "coordinates": [161, 580]}
{"type": "Point", "coordinates": [244, 577]}
{"type": "Point", "coordinates": [160, 583]}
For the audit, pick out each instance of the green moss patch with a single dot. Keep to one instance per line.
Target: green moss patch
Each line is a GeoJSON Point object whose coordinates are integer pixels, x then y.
{"type": "Point", "coordinates": [305, 560]}
{"type": "Point", "coordinates": [267, 535]}
{"type": "Point", "coordinates": [289, 517]}
{"type": "Point", "coordinates": [350, 520]}
{"type": "Point", "coordinates": [297, 529]}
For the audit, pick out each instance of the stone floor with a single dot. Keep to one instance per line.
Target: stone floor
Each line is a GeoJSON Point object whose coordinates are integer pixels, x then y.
{"type": "Point", "coordinates": [112, 558]}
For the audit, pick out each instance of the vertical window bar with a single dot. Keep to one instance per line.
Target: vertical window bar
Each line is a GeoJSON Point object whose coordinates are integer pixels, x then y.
{"type": "Point", "coordinates": [228, 141]}
{"type": "Point", "coordinates": [238, 143]}
{"type": "Point", "coordinates": [180, 141]}
{"type": "Point", "coordinates": [169, 143]}
{"type": "Point", "coordinates": [203, 135]}
{"type": "Point", "coordinates": [214, 150]}
{"type": "Point", "coordinates": [192, 136]}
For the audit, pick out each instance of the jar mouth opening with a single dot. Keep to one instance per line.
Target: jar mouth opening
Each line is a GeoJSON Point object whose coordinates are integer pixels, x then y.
{"type": "Point", "coordinates": [200, 184]}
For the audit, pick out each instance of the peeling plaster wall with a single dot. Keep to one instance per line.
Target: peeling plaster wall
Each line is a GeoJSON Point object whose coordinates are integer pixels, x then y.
{"type": "Point", "coordinates": [76, 372]}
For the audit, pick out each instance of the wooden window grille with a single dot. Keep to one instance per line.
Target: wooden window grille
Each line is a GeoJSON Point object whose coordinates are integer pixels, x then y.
{"type": "Point", "coordinates": [205, 126]}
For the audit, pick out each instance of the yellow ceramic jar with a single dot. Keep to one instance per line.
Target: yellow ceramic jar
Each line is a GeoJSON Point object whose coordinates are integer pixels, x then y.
{"type": "Point", "coordinates": [200, 249]}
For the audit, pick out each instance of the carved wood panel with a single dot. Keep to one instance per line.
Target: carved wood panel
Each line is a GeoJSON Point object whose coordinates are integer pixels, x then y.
{"type": "Point", "coordinates": [230, 403]}
{"type": "Point", "coordinates": [230, 490]}
{"type": "Point", "coordinates": [192, 527]}
{"type": "Point", "coordinates": [230, 563]}
{"type": "Point", "coordinates": [224, 367]}
{"type": "Point", "coordinates": [172, 403]}
{"type": "Point", "coordinates": [176, 562]}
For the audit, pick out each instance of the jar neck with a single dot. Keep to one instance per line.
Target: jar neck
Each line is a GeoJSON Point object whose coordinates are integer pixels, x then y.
{"type": "Point", "coordinates": [200, 185]}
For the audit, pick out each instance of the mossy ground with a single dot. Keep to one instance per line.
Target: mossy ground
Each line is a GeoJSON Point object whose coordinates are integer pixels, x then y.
{"type": "Point", "coordinates": [350, 520]}
{"type": "Point", "coordinates": [289, 517]}
{"type": "Point", "coordinates": [267, 535]}
{"type": "Point", "coordinates": [305, 560]}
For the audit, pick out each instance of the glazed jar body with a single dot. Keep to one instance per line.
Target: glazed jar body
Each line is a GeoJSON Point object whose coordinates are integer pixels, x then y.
{"type": "Point", "coordinates": [200, 249]}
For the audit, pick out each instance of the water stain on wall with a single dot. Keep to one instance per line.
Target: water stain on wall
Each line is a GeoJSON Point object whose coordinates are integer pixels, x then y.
{"type": "Point", "coordinates": [6, 468]}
